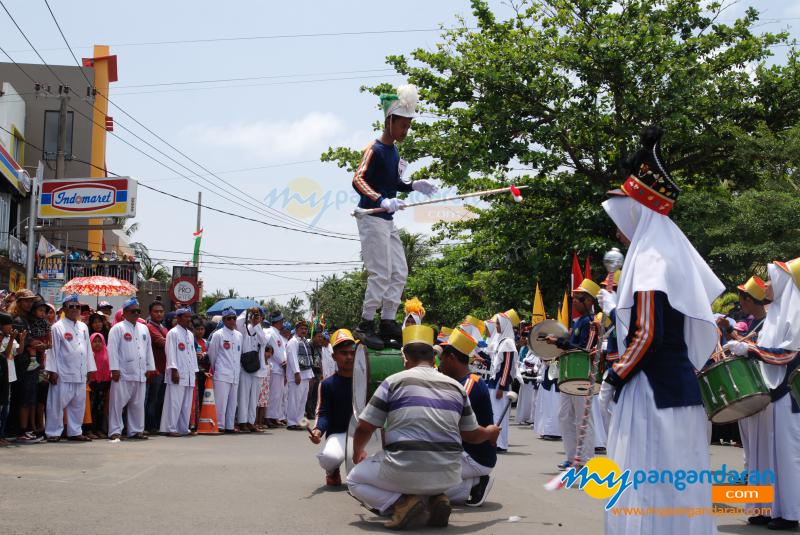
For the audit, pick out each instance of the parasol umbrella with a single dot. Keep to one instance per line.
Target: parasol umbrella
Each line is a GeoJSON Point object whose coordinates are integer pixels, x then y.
{"type": "Point", "coordinates": [99, 286]}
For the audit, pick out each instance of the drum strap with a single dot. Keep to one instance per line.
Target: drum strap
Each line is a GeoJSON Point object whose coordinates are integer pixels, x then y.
{"type": "Point", "coordinates": [473, 379]}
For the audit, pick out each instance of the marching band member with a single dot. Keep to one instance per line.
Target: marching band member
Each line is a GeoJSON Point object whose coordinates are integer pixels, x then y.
{"type": "Point", "coordinates": [377, 180]}
{"type": "Point", "coordinates": [225, 351]}
{"type": "Point", "coordinates": [414, 312]}
{"type": "Point", "coordinates": [526, 378]}
{"type": "Point", "coordinates": [425, 415]}
{"type": "Point", "coordinates": [181, 372]}
{"type": "Point", "coordinates": [570, 414]}
{"type": "Point", "coordinates": [548, 404]}
{"type": "Point", "coordinates": [665, 330]}
{"type": "Point", "coordinates": [477, 460]}
{"type": "Point", "coordinates": [334, 408]}
{"type": "Point", "coordinates": [504, 364]}
{"type": "Point", "coordinates": [778, 345]}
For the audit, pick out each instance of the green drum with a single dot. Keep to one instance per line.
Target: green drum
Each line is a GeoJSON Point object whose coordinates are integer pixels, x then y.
{"type": "Point", "coordinates": [369, 370]}
{"type": "Point", "coordinates": [574, 374]}
{"type": "Point", "coordinates": [794, 384]}
{"type": "Point", "coordinates": [732, 389]}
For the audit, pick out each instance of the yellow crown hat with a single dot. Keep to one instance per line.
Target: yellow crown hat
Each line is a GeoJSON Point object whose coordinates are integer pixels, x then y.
{"type": "Point", "coordinates": [477, 323]}
{"type": "Point", "coordinates": [444, 333]}
{"type": "Point", "coordinates": [588, 286]}
{"type": "Point", "coordinates": [462, 341]}
{"type": "Point", "coordinates": [418, 334]}
{"type": "Point", "coordinates": [512, 315]}
{"type": "Point", "coordinates": [342, 335]}
{"type": "Point", "coordinates": [755, 287]}
{"type": "Point", "coordinates": [792, 267]}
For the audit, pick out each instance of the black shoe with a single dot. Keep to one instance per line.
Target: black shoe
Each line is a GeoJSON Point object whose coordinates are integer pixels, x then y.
{"type": "Point", "coordinates": [599, 451]}
{"type": "Point", "coordinates": [365, 332]}
{"type": "Point", "coordinates": [480, 491]}
{"type": "Point", "coordinates": [390, 330]}
{"type": "Point", "coordinates": [781, 524]}
{"type": "Point", "coordinates": [759, 520]}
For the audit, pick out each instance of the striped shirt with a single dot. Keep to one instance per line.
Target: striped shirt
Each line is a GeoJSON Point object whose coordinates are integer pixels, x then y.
{"type": "Point", "coordinates": [423, 413]}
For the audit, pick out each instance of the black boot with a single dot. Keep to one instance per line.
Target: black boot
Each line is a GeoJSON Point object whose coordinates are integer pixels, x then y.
{"type": "Point", "coordinates": [391, 333]}
{"type": "Point", "coordinates": [365, 332]}
{"type": "Point", "coordinates": [782, 524]}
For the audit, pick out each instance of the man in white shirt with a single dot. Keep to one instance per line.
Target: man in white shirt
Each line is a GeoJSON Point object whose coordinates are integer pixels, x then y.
{"type": "Point", "coordinates": [180, 374]}
{"type": "Point", "coordinates": [130, 359]}
{"type": "Point", "coordinates": [225, 351]}
{"type": "Point", "coordinates": [277, 367]}
{"type": "Point", "coordinates": [253, 340]}
{"type": "Point", "coordinates": [70, 363]}
{"type": "Point", "coordinates": [299, 371]}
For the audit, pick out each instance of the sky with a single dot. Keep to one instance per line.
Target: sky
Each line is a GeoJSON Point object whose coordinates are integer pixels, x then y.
{"type": "Point", "coordinates": [259, 135]}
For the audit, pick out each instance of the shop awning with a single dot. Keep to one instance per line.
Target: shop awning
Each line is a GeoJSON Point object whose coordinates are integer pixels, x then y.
{"type": "Point", "coordinates": [14, 173]}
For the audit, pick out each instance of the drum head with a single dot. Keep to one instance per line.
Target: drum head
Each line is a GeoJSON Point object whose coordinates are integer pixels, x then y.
{"type": "Point", "coordinates": [577, 387]}
{"type": "Point", "coordinates": [373, 446]}
{"type": "Point", "coordinates": [742, 408]}
{"type": "Point", "coordinates": [360, 379]}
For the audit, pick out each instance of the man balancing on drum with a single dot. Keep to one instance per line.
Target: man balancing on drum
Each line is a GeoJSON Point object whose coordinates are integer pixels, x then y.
{"type": "Point", "coordinates": [778, 348]}
{"type": "Point", "coordinates": [477, 460]}
{"type": "Point", "coordinates": [570, 415]}
{"type": "Point", "coordinates": [334, 407]}
{"type": "Point", "coordinates": [425, 416]}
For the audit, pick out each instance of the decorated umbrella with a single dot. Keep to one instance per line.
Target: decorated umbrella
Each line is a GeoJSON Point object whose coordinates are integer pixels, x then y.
{"type": "Point", "coordinates": [99, 286]}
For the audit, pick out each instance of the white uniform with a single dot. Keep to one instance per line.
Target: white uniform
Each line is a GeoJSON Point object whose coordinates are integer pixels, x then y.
{"type": "Point", "coordinates": [570, 417]}
{"type": "Point", "coordinates": [71, 357]}
{"type": "Point", "coordinates": [181, 356]}
{"type": "Point", "coordinates": [277, 375]}
{"type": "Point", "coordinates": [548, 402]}
{"type": "Point", "coordinates": [224, 351]}
{"type": "Point", "coordinates": [385, 261]}
{"type": "Point", "coordinates": [525, 401]}
{"type": "Point", "coordinates": [253, 339]}
{"type": "Point", "coordinates": [328, 364]}
{"type": "Point", "coordinates": [502, 370]}
{"type": "Point", "coordinates": [130, 352]}
{"type": "Point", "coordinates": [298, 394]}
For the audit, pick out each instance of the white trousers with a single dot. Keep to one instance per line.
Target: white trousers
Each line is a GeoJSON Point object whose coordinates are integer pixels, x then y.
{"type": "Point", "coordinates": [548, 404]}
{"type": "Point", "coordinates": [366, 485]}
{"type": "Point", "coordinates": [571, 417]}
{"type": "Point", "coordinates": [275, 401]}
{"type": "Point", "coordinates": [69, 396]}
{"type": "Point", "coordinates": [497, 407]}
{"type": "Point", "coordinates": [249, 385]}
{"type": "Point", "coordinates": [385, 261]}
{"type": "Point", "coordinates": [332, 455]}
{"type": "Point", "coordinates": [524, 404]}
{"type": "Point", "coordinates": [471, 471]}
{"type": "Point", "coordinates": [296, 406]}
{"type": "Point", "coordinates": [787, 460]}
{"type": "Point", "coordinates": [600, 419]}
{"type": "Point", "coordinates": [129, 394]}
{"type": "Point", "coordinates": [225, 395]}
{"type": "Point", "coordinates": [177, 409]}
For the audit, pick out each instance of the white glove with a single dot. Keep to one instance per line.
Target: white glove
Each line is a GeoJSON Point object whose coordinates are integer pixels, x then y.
{"type": "Point", "coordinates": [737, 348]}
{"type": "Point", "coordinates": [607, 301]}
{"type": "Point", "coordinates": [392, 205]}
{"type": "Point", "coordinates": [606, 395]}
{"type": "Point", "coordinates": [426, 187]}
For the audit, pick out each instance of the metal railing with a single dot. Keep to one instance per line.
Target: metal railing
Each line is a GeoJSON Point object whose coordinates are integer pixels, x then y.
{"type": "Point", "coordinates": [89, 268]}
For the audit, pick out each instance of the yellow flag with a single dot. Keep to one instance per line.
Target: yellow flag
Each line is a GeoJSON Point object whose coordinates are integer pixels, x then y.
{"type": "Point", "coordinates": [538, 308]}
{"type": "Point", "coordinates": [564, 312]}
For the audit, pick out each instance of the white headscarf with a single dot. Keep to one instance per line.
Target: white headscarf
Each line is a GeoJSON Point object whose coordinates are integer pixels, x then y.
{"type": "Point", "coordinates": [661, 258]}
{"type": "Point", "coordinates": [781, 327]}
{"type": "Point", "coordinates": [504, 341]}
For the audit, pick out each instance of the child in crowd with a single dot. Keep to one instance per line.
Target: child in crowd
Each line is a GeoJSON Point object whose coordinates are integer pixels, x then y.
{"type": "Point", "coordinates": [263, 393]}
{"type": "Point", "coordinates": [100, 387]}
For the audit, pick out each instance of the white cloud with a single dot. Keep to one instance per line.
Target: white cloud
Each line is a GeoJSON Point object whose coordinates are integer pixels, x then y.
{"type": "Point", "coordinates": [268, 140]}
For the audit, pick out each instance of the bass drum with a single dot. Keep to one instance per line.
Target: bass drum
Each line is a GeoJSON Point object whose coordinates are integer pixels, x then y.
{"type": "Point", "coordinates": [733, 389]}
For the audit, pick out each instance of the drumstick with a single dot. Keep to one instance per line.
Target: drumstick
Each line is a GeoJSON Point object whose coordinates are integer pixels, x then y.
{"type": "Point", "coordinates": [510, 398]}
{"type": "Point", "coordinates": [306, 424]}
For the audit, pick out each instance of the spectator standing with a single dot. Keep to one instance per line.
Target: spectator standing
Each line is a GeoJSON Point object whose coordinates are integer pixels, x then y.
{"type": "Point", "coordinates": [154, 394]}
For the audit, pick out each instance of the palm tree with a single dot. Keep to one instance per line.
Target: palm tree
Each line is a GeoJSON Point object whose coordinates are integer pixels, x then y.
{"type": "Point", "coordinates": [294, 309]}
{"type": "Point", "coordinates": [232, 293]}
{"type": "Point", "coordinates": [149, 270]}
{"type": "Point", "coordinates": [416, 247]}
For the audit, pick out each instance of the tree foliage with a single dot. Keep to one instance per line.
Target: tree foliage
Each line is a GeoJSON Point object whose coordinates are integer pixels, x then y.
{"type": "Point", "coordinates": [339, 297]}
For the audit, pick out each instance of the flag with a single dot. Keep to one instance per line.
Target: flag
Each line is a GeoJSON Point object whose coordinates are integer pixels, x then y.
{"type": "Point", "coordinates": [47, 249]}
{"type": "Point", "coordinates": [196, 256]}
{"type": "Point", "coordinates": [576, 280]}
{"type": "Point", "coordinates": [564, 312]}
{"type": "Point", "coordinates": [538, 308]}
{"type": "Point", "coordinates": [588, 270]}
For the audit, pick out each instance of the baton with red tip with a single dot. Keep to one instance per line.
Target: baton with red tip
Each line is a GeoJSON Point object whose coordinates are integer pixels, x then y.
{"type": "Point", "coordinates": [514, 190]}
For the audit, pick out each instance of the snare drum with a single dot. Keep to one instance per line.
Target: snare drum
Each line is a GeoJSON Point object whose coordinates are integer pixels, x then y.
{"type": "Point", "coordinates": [794, 384]}
{"type": "Point", "coordinates": [574, 373]}
{"type": "Point", "coordinates": [733, 389]}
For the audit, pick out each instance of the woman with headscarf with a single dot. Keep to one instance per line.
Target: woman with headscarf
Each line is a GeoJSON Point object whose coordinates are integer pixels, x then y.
{"type": "Point", "coordinates": [665, 331]}
{"type": "Point", "coordinates": [776, 446]}
{"type": "Point", "coordinates": [504, 368]}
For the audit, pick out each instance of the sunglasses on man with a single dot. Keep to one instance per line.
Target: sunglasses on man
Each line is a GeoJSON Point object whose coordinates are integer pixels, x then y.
{"type": "Point", "coordinates": [72, 307]}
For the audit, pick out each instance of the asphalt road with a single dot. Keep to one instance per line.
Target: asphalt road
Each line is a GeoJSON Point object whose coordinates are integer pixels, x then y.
{"type": "Point", "coordinates": [268, 483]}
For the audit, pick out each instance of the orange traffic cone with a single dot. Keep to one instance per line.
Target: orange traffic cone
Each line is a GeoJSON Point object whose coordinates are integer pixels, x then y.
{"type": "Point", "coordinates": [207, 425]}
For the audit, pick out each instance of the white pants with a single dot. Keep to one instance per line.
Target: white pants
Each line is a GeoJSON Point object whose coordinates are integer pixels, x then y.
{"type": "Point", "coordinates": [524, 404]}
{"type": "Point", "coordinates": [69, 396]}
{"type": "Point", "coordinates": [471, 471]}
{"type": "Point", "coordinates": [129, 394]}
{"type": "Point", "coordinates": [571, 417]}
{"type": "Point", "coordinates": [600, 419]}
{"type": "Point", "coordinates": [177, 409]}
{"type": "Point", "coordinates": [787, 460]}
{"type": "Point", "coordinates": [497, 407]}
{"type": "Point", "coordinates": [249, 385]}
{"type": "Point", "coordinates": [366, 485]}
{"type": "Point", "coordinates": [225, 398]}
{"type": "Point", "coordinates": [332, 455]}
{"type": "Point", "coordinates": [275, 401]}
{"type": "Point", "coordinates": [385, 261]}
{"type": "Point", "coordinates": [548, 403]}
{"type": "Point", "coordinates": [298, 395]}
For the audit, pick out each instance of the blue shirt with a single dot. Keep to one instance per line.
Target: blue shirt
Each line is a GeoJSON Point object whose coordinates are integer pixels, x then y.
{"type": "Point", "coordinates": [484, 453]}
{"type": "Point", "coordinates": [378, 177]}
{"type": "Point", "coordinates": [334, 404]}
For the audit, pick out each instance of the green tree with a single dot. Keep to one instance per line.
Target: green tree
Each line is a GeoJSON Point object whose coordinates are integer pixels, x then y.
{"type": "Point", "coordinates": [555, 96]}
{"type": "Point", "coordinates": [294, 309]}
{"type": "Point", "coordinates": [208, 300]}
{"type": "Point", "coordinates": [339, 297]}
{"type": "Point", "coordinates": [416, 247]}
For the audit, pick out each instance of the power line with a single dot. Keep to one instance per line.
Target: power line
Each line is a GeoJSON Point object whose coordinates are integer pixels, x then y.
{"type": "Point", "coordinates": [257, 270]}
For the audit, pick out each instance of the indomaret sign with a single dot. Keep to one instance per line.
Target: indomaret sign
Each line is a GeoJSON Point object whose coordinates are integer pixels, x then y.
{"type": "Point", "coordinates": [88, 197]}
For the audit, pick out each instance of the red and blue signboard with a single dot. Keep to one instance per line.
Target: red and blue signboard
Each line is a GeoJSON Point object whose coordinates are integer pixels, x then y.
{"type": "Point", "coordinates": [84, 198]}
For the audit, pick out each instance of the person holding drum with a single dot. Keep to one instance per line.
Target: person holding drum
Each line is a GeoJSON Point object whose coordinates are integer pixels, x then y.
{"type": "Point", "coordinates": [477, 460]}
{"type": "Point", "coordinates": [777, 347]}
{"type": "Point", "coordinates": [503, 370]}
{"type": "Point", "coordinates": [425, 416]}
{"type": "Point", "coordinates": [665, 330]}
{"type": "Point", "coordinates": [334, 407]}
{"type": "Point", "coordinates": [570, 415]}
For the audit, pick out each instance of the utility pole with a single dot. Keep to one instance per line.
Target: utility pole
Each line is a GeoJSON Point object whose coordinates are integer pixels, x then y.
{"type": "Point", "coordinates": [63, 96]}
{"type": "Point", "coordinates": [199, 207]}
{"type": "Point", "coordinates": [36, 184]}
